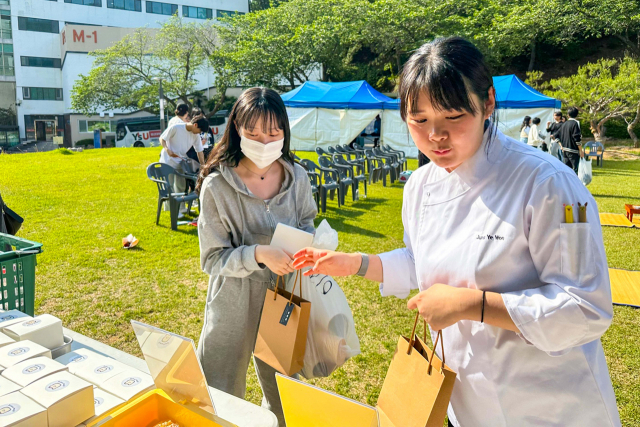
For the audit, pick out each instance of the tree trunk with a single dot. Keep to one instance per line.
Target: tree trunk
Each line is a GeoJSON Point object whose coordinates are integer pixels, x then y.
{"type": "Point", "coordinates": [323, 72]}
{"type": "Point", "coordinates": [398, 64]}
{"type": "Point", "coordinates": [532, 60]}
{"type": "Point", "coordinates": [630, 127]}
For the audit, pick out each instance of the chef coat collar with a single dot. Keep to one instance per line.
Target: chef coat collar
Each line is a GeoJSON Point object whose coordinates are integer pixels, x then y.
{"type": "Point", "coordinates": [469, 173]}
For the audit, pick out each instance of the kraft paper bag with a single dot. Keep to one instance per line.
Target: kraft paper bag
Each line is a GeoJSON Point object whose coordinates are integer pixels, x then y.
{"type": "Point", "coordinates": [418, 385]}
{"type": "Point", "coordinates": [282, 335]}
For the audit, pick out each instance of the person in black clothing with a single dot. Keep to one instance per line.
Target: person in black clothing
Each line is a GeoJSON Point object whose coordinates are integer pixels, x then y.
{"type": "Point", "coordinates": [570, 138]}
{"type": "Point", "coordinates": [553, 128]}
{"type": "Point", "coordinates": [422, 159]}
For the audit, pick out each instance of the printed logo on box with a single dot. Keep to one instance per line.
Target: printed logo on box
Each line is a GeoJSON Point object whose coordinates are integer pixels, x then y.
{"type": "Point", "coordinates": [165, 340]}
{"type": "Point", "coordinates": [77, 359]}
{"type": "Point", "coordinates": [97, 401]}
{"type": "Point", "coordinates": [33, 369]}
{"type": "Point", "coordinates": [9, 409]}
{"type": "Point", "coordinates": [57, 385]}
{"type": "Point", "coordinates": [31, 322]}
{"type": "Point", "coordinates": [19, 351]}
{"type": "Point", "coordinates": [8, 317]}
{"type": "Point", "coordinates": [131, 382]}
{"type": "Point", "coordinates": [103, 369]}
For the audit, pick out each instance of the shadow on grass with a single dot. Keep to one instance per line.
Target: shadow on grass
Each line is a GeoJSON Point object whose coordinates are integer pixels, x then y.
{"type": "Point", "coordinates": [610, 196]}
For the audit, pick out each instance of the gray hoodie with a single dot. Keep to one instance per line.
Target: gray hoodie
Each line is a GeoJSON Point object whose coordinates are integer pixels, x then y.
{"type": "Point", "coordinates": [232, 223]}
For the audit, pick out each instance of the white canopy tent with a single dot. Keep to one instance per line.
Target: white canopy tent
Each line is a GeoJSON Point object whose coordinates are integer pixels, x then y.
{"type": "Point", "coordinates": [324, 114]}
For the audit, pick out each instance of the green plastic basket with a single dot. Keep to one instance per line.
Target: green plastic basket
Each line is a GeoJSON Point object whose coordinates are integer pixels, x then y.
{"type": "Point", "coordinates": [18, 273]}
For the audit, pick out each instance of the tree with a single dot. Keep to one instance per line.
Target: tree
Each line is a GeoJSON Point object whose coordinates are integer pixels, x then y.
{"type": "Point", "coordinates": [8, 117]}
{"type": "Point", "coordinates": [125, 75]}
{"type": "Point", "coordinates": [602, 91]}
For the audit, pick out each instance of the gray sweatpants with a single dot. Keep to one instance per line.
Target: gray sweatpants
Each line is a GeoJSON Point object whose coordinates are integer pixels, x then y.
{"type": "Point", "coordinates": [231, 320]}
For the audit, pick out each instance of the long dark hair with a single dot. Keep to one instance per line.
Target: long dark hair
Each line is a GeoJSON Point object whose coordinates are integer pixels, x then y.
{"type": "Point", "coordinates": [447, 70]}
{"type": "Point", "coordinates": [526, 122]}
{"type": "Point", "coordinates": [253, 104]}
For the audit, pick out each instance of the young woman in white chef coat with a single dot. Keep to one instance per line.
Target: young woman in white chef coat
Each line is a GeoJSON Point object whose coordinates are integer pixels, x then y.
{"type": "Point", "coordinates": [521, 295]}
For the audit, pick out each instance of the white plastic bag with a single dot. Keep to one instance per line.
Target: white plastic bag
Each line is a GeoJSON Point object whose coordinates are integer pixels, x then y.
{"type": "Point", "coordinates": [331, 338]}
{"type": "Point", "coordinates": [585, 172]}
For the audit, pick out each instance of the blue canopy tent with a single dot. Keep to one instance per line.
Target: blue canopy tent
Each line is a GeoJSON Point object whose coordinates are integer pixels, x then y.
{"type": "Point", "coordinates": [323, 114]}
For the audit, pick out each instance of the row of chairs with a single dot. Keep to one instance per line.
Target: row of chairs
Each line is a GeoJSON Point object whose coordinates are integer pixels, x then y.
{"type": "Point", "coordinates": [342, 167]}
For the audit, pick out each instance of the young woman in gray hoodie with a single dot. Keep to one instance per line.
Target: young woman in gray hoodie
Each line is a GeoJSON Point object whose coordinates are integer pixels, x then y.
{"type": "Point", "coordinates": [249, 184]}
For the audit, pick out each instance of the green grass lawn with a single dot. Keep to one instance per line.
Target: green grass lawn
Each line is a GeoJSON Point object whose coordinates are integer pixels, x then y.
{"type": "Point", "coordinates": [80, 205]}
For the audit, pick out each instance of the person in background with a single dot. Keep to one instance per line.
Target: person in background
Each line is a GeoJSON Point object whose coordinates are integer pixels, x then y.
{"type": "Point", "coordinates": [524, 130]}
{"type": "Point", "coordinates": [535, 139]}
{"type": "Point", "coordinates": [553, 128]}
{"type": "Point", "coordinates": [422, 159]}
{"type": "Point", "coordinates": [181, 115]}
{"type": "Point", "coordinates": [570, 137]}
{"type": "Point", "coordinates": [176, 141]}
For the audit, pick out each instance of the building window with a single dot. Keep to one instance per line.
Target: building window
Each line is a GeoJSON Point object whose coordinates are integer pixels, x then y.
{"type": "Point", "coordinates": [36, 61]}
{"type": "Point", "coordinates": [7, 67]}
{"type": "Point", "coordinates": [96, 3]}
{"type": "Point", "coordinates": [5, 25]}
{"type": "Point", "coordinates": [39, 25]}
{"type": "Point", "coordinates": [5, 3]}
{"type": "Point", "coordinates": [197, 12]}
{"type": "Point", "coordinates": [91, 125]}
{"type": "Point", "coordinates": [227, 13]}
{"type": "Point", "coordinates": [162, 8]}
{"type": "Point", "coordinates": [132, 5]}
{"type": "Point", "coordinates": [42, 93]}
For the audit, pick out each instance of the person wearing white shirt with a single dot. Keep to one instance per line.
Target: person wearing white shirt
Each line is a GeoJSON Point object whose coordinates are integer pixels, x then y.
{"type": "Point", "coordinates": [176, 141]}
{"type": "Point", "coordinates": [535, 139]}
{"type": "Point", "coordinates": [521, 296]}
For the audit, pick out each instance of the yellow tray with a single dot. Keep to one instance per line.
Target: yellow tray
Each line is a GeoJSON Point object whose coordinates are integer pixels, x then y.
{"type": "Point", "coordinates": [153, 408]}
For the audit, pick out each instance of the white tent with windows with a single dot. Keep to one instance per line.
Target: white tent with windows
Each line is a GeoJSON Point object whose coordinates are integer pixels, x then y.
{"type": "Point", "coordinates": [328, 114]}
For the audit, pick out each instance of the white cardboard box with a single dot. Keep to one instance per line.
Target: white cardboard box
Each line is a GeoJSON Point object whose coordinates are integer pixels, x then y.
{"type": "Point", "coordinates": [103, 402]}
{"type": "Point", "coordinates": [31, 370]}
{"type": "Point", "coordinates": [76, 359]}
{"type": "Point", "coordinates": [10, 317]}
{"type": "Point", "coordinates": [99, 370]}
{"type": "Point", "coordinates": [19, 351]}
{"type": "Point", "coordinates": [129, 384]}
{"type": "Point", "coordinates": [17, 410]}
{"type": "Point", "coordinates": [67, 398]}
{"type": "Point", "coordinates": [45, 330]}
{"type": "Point", "coordinates": [7, 386]}
{"type": "Point", "coordinates": [5, 340]}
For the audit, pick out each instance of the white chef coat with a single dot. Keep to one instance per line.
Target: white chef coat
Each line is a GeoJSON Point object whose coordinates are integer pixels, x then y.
{"type": "Point", "coordinates": [497, 223]}
{"type": "Point", "coordinates": [174, 121]}
{"type": "Point", "coordinates": [179, 140]}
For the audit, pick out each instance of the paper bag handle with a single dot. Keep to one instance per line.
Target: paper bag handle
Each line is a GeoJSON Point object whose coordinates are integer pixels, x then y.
{"type": "Point", "coordinates": [435, 344]}
{"type": "Point", "coordinates": [298, 275]}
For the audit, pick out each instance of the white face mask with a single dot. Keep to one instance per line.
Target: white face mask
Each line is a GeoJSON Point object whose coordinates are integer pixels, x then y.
{"type": "Point", "coordinates": [261, 154]}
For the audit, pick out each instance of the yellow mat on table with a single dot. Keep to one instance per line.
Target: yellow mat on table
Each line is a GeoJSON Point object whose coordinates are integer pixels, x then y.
{"type": "Point", "coordinates": [625, 287]}
{"type": "Point", "coordinates": [616, 220]}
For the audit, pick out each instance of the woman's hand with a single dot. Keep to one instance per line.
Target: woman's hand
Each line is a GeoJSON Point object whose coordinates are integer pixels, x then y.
{"type": "Point", "coordinates": [443, 305]}
{"type": "Point", "coordinates": [275, 259]}
{"type": "Point", "coordinates": [327, 262]}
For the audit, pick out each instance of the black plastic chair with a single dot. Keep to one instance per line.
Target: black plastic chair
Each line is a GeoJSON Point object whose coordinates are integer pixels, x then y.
{"type": "Point", "coordinates": [391, 161]}
{"type": "Point", "coordinates": [357, 173]}
{"type": "Point", "coordinates": [159, 173]}
{"type": "Point", "coordinates": [378, 169]}
{"type": "Point", "coordinates": [321, 152]}
{"type": "Point", "coordinates": [345, 176]}
{"type": "Point", "coordinates": [328, 182]}
{"type": "Point", "coordinates": [401, 156]}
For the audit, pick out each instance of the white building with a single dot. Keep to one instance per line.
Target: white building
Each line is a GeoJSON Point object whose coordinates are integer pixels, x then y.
{"type": "Point", "coordinates": [48, 49]}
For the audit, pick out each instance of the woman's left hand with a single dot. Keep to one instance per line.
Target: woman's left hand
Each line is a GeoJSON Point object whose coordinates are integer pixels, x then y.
{"type": "Point", "coordinates": [443, 305]}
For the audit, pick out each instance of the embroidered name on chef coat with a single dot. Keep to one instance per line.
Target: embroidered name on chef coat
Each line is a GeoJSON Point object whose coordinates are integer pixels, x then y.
{"type": "Point", "coordinates": [489, 237]}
